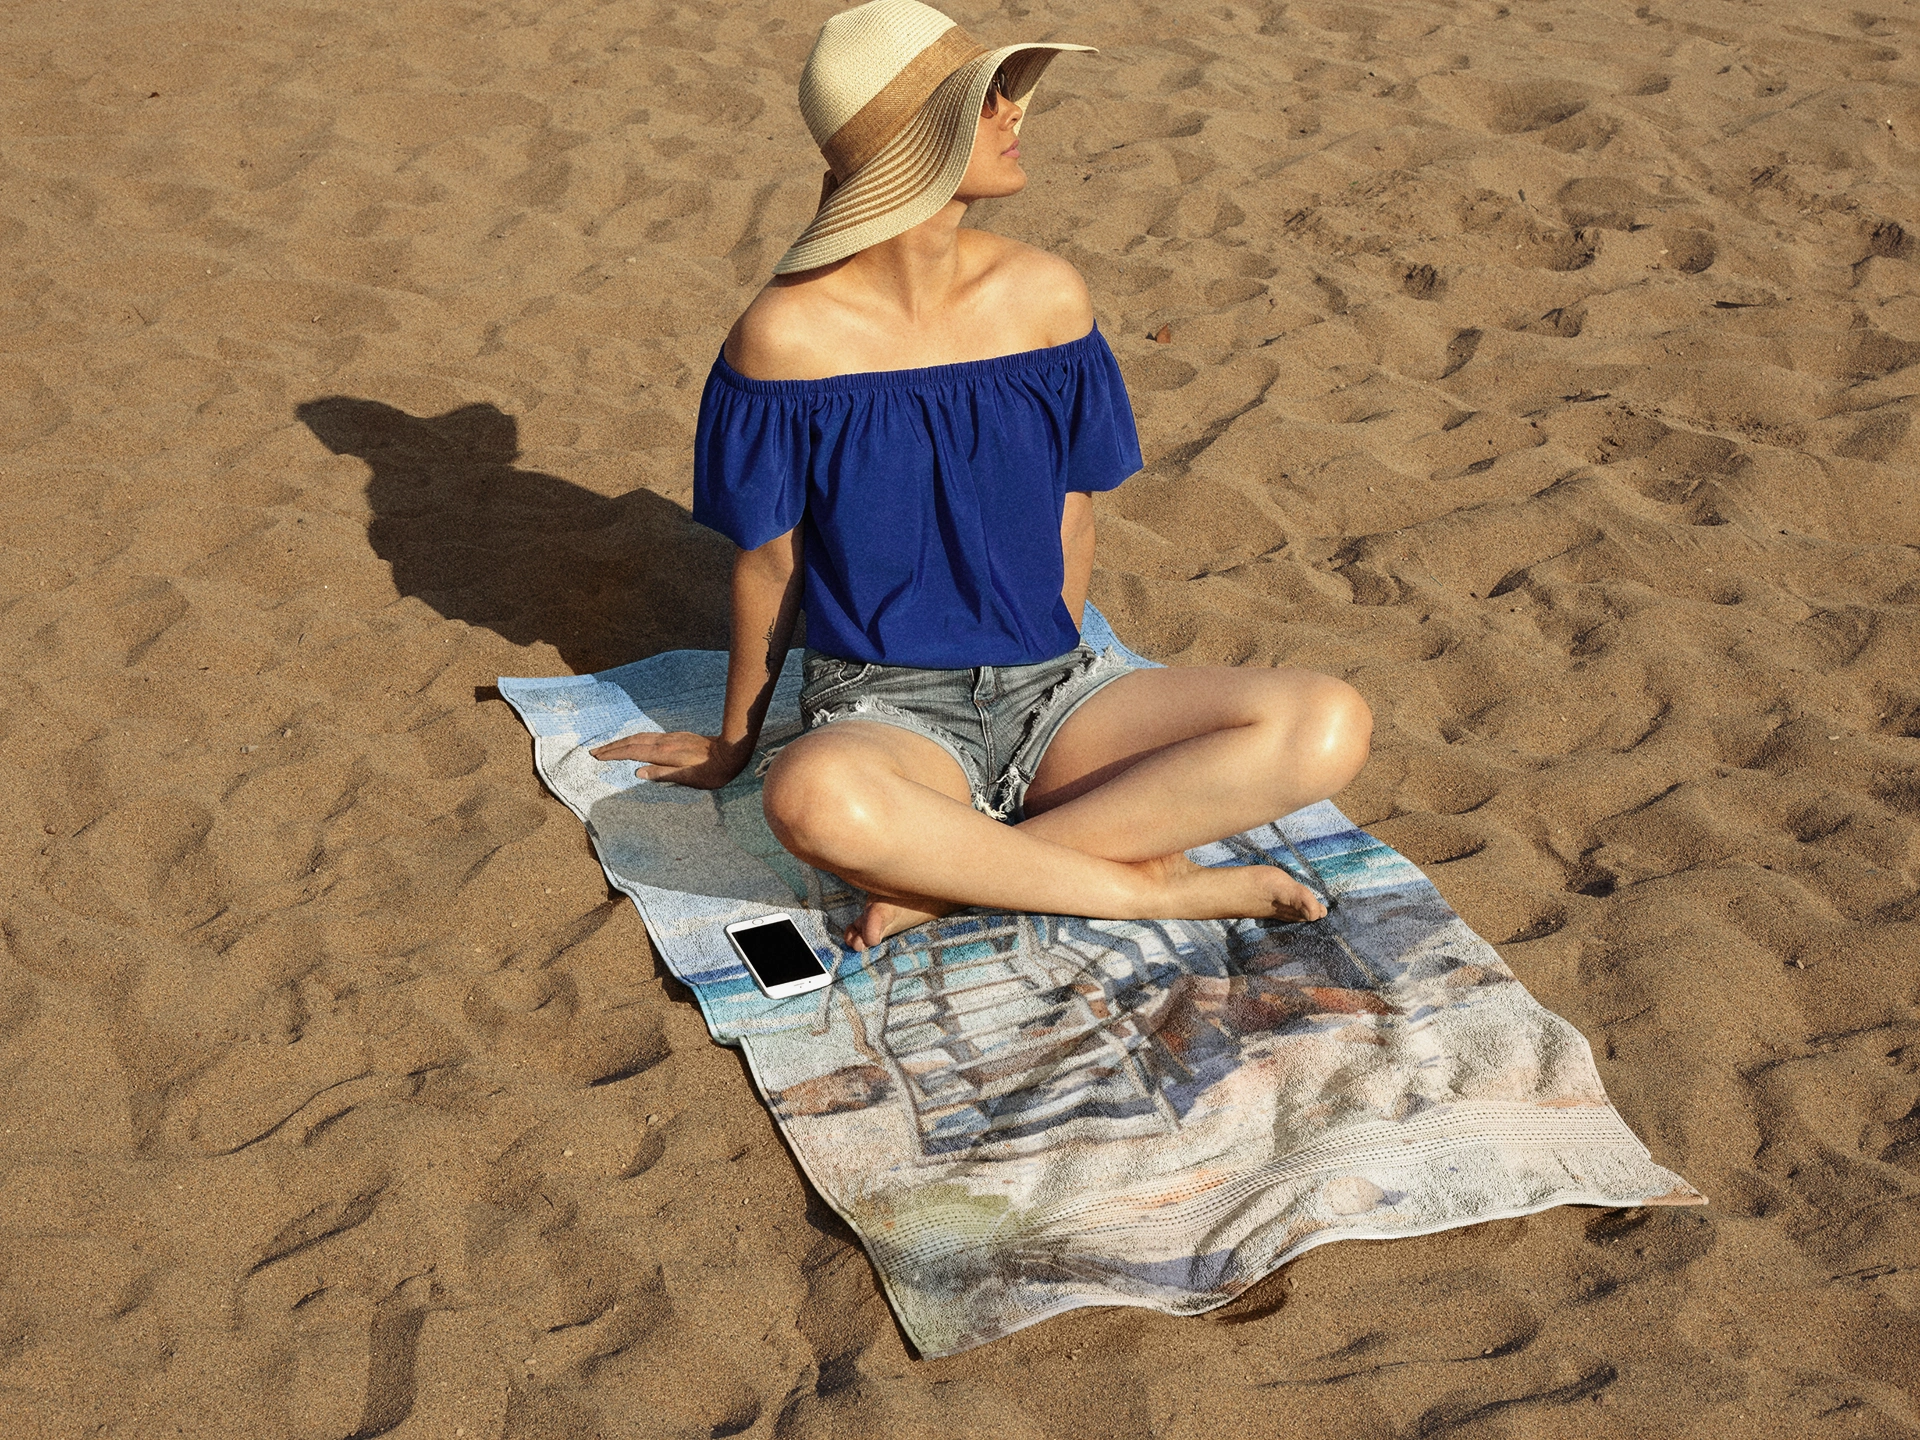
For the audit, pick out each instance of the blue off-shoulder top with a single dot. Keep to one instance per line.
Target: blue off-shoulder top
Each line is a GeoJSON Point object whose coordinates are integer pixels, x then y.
{"type": "Point", "coordinates": [931, 499]}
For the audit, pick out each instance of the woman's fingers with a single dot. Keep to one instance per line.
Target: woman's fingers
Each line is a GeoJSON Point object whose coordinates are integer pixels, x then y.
{"type": "Point", "coordinates": [673, 750]}
{"type": "Point", "coordinates": [660, 773]}
{"type": "Point", "coordinates": [676, 758]}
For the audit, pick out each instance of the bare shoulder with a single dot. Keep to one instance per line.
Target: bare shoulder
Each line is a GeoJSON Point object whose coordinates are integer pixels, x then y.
{"type": "Point", "coordinates": [1042, 287]}
{"type": "Point", "coordinates": [779, 336]}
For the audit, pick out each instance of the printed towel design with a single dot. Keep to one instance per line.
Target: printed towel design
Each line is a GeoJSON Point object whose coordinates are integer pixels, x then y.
{"type": "Point", "coordinates": [1023, 1114]}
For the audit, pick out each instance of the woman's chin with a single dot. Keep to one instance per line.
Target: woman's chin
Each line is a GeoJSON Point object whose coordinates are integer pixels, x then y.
{"type": "Point", "coordinates": [997, 187]}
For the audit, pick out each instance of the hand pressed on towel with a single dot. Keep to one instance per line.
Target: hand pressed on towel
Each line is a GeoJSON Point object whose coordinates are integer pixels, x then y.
{"type": "Point", "coordinates": [766, 602]}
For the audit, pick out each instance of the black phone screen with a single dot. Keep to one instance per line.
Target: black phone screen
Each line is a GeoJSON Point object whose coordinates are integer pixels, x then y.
{"type": "Point", "coordinates": [779, 953]}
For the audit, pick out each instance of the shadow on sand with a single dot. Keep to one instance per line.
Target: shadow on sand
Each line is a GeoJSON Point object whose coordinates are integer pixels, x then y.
{"type": "Point", "coordinates": [529, 556]}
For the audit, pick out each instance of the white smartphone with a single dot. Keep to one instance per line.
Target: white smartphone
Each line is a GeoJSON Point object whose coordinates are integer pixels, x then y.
{"type": "Point", "coordinates": [778, 956]}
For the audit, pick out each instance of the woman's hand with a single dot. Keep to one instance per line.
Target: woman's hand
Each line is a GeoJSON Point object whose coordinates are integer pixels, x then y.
{"type": "Point", "coordinates": [704, 762]}
{"type": "Point", "coordinates": [766, 602]}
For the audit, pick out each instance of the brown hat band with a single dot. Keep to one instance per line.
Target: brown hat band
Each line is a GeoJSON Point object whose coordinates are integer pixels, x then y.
{"type": "Point", "coordinates": [882, 117]}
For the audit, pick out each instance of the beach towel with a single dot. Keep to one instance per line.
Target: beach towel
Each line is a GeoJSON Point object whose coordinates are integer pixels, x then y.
{"type": "Point", "coordinates": [1023, 1114]}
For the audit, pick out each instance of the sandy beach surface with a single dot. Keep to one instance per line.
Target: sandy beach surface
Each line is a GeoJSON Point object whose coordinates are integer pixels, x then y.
{"type": "Point", "coordinates": [1545, 369]}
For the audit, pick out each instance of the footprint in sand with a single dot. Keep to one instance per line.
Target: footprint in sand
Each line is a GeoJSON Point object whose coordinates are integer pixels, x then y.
{"type": "Point", "coordinates": [1516, 107]}
{"type": "Point", "coordinates": [1422, 282]}
{"type": "Point", "coordinates": [1460, 350]}
{"type": "Point", "coordinates": [536, 1017]}
{"type": "Point", "coordinates": [1879, 436]}
{"type": "Point", "coordinates": [1563, 322]}
{"type": "Point", "coordinates": [1155, 372]}
{"type": "Point", "coordinates": [1603, 203]}
{"type": "Point", "coordinates": [1890, 240]}
{"type": "Point", "coordinates": [1670, 470]}
{"type": "Point", "coordinates": [1688, 251]}
{"type": "Point", "coordinates": [1430, 840]}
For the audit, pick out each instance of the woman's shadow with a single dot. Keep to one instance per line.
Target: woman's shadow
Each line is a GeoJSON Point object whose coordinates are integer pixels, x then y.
{"type": "Point", "coordinates": [531, 557]}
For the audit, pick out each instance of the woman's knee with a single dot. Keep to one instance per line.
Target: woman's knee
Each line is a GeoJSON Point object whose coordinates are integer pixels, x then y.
{"type": "Point", "coordinates": [819, 804]}
{"type": "Point", "coordinates": [1341, 728]}
{"type": "Point", "coordinates": [1323, 723]}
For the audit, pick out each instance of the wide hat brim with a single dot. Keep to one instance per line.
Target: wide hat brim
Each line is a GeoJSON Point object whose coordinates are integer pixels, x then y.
{"type": "Point", "coordinates": [918, 171]}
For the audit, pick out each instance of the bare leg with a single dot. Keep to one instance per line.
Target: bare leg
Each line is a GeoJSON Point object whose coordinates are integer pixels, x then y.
{"type": "Point", "coordinates": [1156, 763]}
{"type": "Point", "coordinates": [1163, 760]}
{"type": "Point", "coordinates": [846, 798]}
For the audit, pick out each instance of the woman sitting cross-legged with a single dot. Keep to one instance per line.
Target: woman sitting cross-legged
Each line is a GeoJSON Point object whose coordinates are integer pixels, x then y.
{"type": "Point", "coordinates": [902, 435]}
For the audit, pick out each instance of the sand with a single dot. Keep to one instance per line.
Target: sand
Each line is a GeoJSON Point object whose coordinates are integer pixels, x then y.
{"type": "Point", "coordinates": [1545, 369]}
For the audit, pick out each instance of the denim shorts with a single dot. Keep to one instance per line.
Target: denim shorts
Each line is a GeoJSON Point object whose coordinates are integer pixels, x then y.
{"type": "Point", "coordinates": [995, 720]}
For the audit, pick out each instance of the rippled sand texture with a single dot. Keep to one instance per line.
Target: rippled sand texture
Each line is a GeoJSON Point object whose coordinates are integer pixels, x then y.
{"type": "Point", "coordinates": [1546, 369]}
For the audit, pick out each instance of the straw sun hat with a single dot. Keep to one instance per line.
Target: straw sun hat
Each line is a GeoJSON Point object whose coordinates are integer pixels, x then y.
{"type": "Point", "coordinates": [892, 93]}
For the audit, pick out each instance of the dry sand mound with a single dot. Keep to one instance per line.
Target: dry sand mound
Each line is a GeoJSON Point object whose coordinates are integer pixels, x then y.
{"type": "Point", "coordinates": [1548, 370]}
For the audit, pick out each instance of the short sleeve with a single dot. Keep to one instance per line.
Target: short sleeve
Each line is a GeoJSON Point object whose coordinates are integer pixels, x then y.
{"type": "Point", "coordinates": [1103, 448]}
{"type": "Point", "coordinates": [750, 461]}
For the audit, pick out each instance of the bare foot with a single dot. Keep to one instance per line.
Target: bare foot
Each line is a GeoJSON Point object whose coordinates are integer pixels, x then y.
{"type": "Point", "coordinates": [1186, 891]}
{"type": "Point", "coordinates": [890, 914]}
{"type": "Point", "coordinates": [1235, 892]}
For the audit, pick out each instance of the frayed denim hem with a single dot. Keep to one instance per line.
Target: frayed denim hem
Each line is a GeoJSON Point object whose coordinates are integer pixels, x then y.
{"type": "Point", "coordinates": [1068, 694]}
{"type": "Point", "coordinates": [996, 721]}
{"type": "Point", "coordinates": [878, 711]}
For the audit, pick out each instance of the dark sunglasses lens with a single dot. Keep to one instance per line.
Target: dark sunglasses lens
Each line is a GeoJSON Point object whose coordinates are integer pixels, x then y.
{"type": "Point", "coordinates": [996, 87]}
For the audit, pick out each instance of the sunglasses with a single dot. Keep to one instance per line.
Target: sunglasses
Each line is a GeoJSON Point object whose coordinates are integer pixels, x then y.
{"type": "Point", "coordinates": [996, 88]}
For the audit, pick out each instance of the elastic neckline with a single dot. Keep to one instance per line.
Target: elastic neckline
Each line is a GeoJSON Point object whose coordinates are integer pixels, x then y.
{"type": "Point", "coordinates": [930, 376]}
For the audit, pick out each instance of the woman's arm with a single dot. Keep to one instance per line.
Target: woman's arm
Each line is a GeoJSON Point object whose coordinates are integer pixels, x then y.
{"type": "Point", "coordinates": [1076, 548]}
{"type": "Point", "coordinates": [766, 603]}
